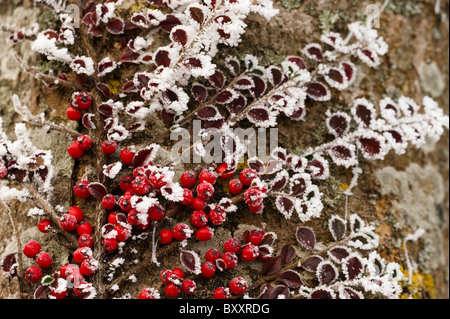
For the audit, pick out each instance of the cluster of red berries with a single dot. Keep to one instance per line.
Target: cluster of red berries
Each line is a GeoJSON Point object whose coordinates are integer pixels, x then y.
{"type": "Point", "coordinates": [80, 102]}
{"type": "Point", "coordinates": [74, 220]}
{"type": "Point", "coordinates": [179, 232]}
{"type": "Point", "coordinates": [83, 256]}
{"type": "Point", "coordinates": [237, 287]}
{"type": "Point", "coordinates": [73, 275]}
{"type": "Point", "coordinates": [175, 283]}
{"type": "Point", "coordinates": [44, 260]}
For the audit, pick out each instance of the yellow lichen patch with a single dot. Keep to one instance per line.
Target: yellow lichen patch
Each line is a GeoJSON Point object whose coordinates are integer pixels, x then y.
{"type": "Point", "coordinates": [344, 186]}
{"type": "Point", "coordinates": [422, 286]}
{"type": "Point", "coordinates": [113, 86]}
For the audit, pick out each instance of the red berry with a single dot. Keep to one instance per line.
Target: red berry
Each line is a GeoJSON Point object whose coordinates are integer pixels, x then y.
{"type": "Point", "coordinates": [235, 187]}
{"type": "Point", "coordinates": [81, 287]}
{"type": "Point", "coordinates": [238, 286]}
{"type": "Point", "coordinates": [108, 202]}
{"type": "Point", "coordinates": [126, 183]}
{"type": "Point", "coordinates": [88, 267]}
{"type": "Point", "coordinates": [188, 179]}
{"type": "Point", "coordinates": [256, 209]}
{"type": "Point", "coordinates": [187, 197]}
{"type": "Point", "coordinates": [189, 287]}
{"type": "Point", "coordinates": [81, 254]}
{"type": "Point", "coordinates": [180, 232]}
{"type": "Point", "coordinates": [58, 294]}
{"type": "Point", "coordinates": [223, 172]}
{"type": "Point", "coordinates": [138, 171]}
{"type": "Point", "coordinates": [123, 233]}
{"type": "Point", "coordinates": [84, 142]}
{"type": "Point", "coordinates": [148, 293]}
{"type": "Point", "coordinates": [247, 176]}
{"type": "Point", "coordinates": [165, 276]}
{"type": "Point", "coordinates": [125, 203]}
{"type": "Point", "coordinates": [44, 225]}
{"type": "Point", "coordinates": [133, 217]}
{"type": "Point", "coordinates": [141, 186]}
{"type": "Point", "coordinates": [62, 271]}
{"type": "Point", "coordinates": [172, 290]}
{"type": "Point", "coordinates": [232, 245]}
{"type": "Point", "coordinates": [84, 101]}
{"type": "Point", "coordinates": [68, 222]}
{"type": "Point", "coordinates": [44, 260]}
{"type": "Point", "coordinates": [205, 190]}
{"type": "Point", "coordinates": [254, 197]}
{"type": "Point", "coordinates": [199, 219]}
{"type": "Point", "coordinates": [110, 244]}
{"type": "Point", "coordinates": [75, 151]}
{"type": "Point", "coordinates": [81, 190]}
{"type": "Point", "coordinates": [127, 156]}
{"type": "Point", "coordinates": [212, 255]}
{"type": "Point", "coordinates": [31, 249]}
{"type": "Point", "coordinates": [84, 228]}
{"type": "Point", "coordinates": [73, 114]}
{"type": "Point", "coordinates": [256, 237]}
{"type": "Point", "coordinates": [85, 240]}
{"type": "Point", "coordinates": [177, 271]}
{"type": "Point", "coordinates": [208, 269]}
{"type": "Point", "coordinates": [77, 213]}
{"type": "Point", "coordinates": [112, 218]}
{"type": "Point", "coordinates": [222, 293]}
{"type": "Point", "coordinates": [208, 176]}
{"type": "Point", "coordinates": [156, 213]}
{"type": "Point", "coordinates": [109, 147]}
{"type": "Point", "coordinates": [205, 233]}
{"type": "Point", "coordinates": [3, 170]}
{"type": "Point", "coordinates": [165, 236]}
{"type": "Point", "coordinates": [33, 274]}
{"type": "Point", "coordinates": [217, 216]}
{"type": "Point", "coordinates": [198, 204]}
{"type": "Point", "coordinates": [157, 179]}
{"type": "Point", "coordinates": [72, 273]}
{"type": "Point", "coordinates": [250, 253]}
{"type": "Point", "coordinates": [230, 259]}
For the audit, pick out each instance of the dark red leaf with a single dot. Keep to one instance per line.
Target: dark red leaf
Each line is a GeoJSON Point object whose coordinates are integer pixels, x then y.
{"type": "Point", "coordinates": [298, 61]}
{"type": "Point", "coordinates": [339, 253]}
{"type": "Point", "coordinates": [354, 267]}
{"type": "Point", "coordinates": [306, 237]}
{"type": "Point", "coordinates": [318, 91]}
{"type": "Point", "coordinates": [338, 227]}
{"type": "Point", "coordinates": [190, 261]}
{"type": "Point", "coordinates": [199, 92]}
{"type": "Point", "coordinates": [129, 56]}
{"type": "Point", "coordinates": [271, 267]}
{"type": "Point", "coordinates": [115, 26]}
{"type": "Point", "coordinates": [321, 294]}
{"type": "Point", "coordinates": [197, 14]}
{"type": "Point", "coordinates": [87, 121]}
{"type": "Point", "coordinates": [326, 273]}
{"type": "Point", "coordinates": [208, 113]}
{"type": "Point", "coordinates": [237, 105]}
{"type": "Point", "coordinates": [339, 124]}
{"type": "Point", "coordinates": [162, 58]}
{"type": "Point", "coordinates": [170, 22]}
{"type": "Point", "coordinates": [41, 292]}
{"type": "Point", "coordinates": [143, 157]}
{"type": "Point", "coordinates": [291, 279]}
{"type": "Point", "coordinates": [259, 87]}
{"type": "Point", "coordinates": [287, 254]}
{"type": "Point", "coordinates": [280, 290]}
{"type": "Point", "coordinates": [364, 114]}
{"type": "Point", "coordinates": [180, 36]}
{"type": "Point", "coordinates": [97, 190]}
{"type": "Point", "coordinates": [225, 97]}
{"type": "Point", "coordinates": [316, 52]}
{"type": "Point", "coordinates": [104, 89]}
{"type": "Point", "coordinates": [217, 79]}
{"type": "Point", "coordinates": [371, 146]}
{"type": "Point", "coordinates": [311, 263]}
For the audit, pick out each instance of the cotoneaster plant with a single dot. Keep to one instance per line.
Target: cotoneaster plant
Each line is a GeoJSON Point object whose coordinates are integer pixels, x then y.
{"type": "Point", "coordinates": [172, 47]}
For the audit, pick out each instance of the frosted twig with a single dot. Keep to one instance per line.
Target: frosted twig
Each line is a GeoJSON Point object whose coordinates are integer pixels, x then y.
{"type": "Point", "coordinates": [412, 237]}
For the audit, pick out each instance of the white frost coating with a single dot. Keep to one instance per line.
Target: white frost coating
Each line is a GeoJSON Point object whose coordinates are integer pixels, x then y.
{"type": "Point", "coordinates": [7, 194]}
{"type": "Point", "coordinates": [48, 47]}
{"type": "Point", "coordinates": [35, 212]}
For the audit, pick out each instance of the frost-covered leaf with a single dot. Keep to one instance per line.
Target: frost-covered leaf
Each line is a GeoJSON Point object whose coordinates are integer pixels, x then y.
{"type": "Point", "coordinates": [319, 167]}
{"type": "Point", "coordinates": [297, 61]}
{"type": "Point", "coordinates": [261, 116]}
{"type": "Point", "coordinates": [115, 26]}
{"type": "Point", "coordinates": [209, 113]}
{"type": "Point", "coordinates": [337, 227]}
{"type": "Point", "coordinates": [276, 76]}
{"type": "Point", "coordinates": [87, 121]}
{"type": "Point", "coordinates": [199, 92]}
{"type": "Point", "coordinates": [353, 266]}
{"type": "Point", "coordinates": [318, 91]}
{"type": "Point", "coordinates": [306, 237]}
{"type": "Point", "coordinates": [349, 293]}
{"type": "Point", "coordinates": [311, 263]}
{"type": "Point", "coordinates": [104, 89]}
{"type": "Point", "coordinates": [145, 156]}
{"type": "Point", "coordinates": [179, 35]}
{"type": "Point", "coordinates": [337, 254]}
{"type": "Point", "coordinates": [372, 145]}
{"type": "Point", "coordinates": [271, 267]}
{"type": "Point", "coordinates": [217, 79]}
{"type": "Point", "coordinates": [237, 104]}
{"type": "Point", "coordinates": [191, 261]}
{"type": "Point", "coordinates": [291, 278]}
{"type": "Point", "coordinates": [259, 87]}
{"type": "Point", "coordinates": [268, 238]}
{"type": "Point", "coordinates": [363, 112]}
{"type": "Point", "coordinates": [41, 292]}
{"type": "Point", "coordinates": [338, 124]}
{"type": "Point", "coordinates": [97, 190]}
{"type": "Point", "coordinates": [162, 58]}
{"type": "Point", "coordinates": [130, 56]}
{"type": "Point", "coordinates": [327, 273]}
{"type": "Point", "coordinates": [285, 206]}
{"type": "Point", "coordinates": [314, 52]}
{"type": "Point", "coordinates": [169, 23]}
{"type": "Point", "coordinates": [322, 293]}
{"type": "Point", "coordinates": [280, 292]}
{"type": "Point", "coordinates": [287, 254]}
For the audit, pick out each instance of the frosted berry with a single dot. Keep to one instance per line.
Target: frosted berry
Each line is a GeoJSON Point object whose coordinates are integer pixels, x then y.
{"type": "Point", "coordinates": [141, 186]}
{"type": "Point", "coordinates": [3, 170]}
{"type": "Point", "coordinates": [230, 259]}
{"type": "Point", "coordinates": [180, 232]}
{"type": "Point", "coordinates": [133, 217]}
{"type": "Point", "coordinates": [77, 213]}
{"type": "Point", "coordinates": [189, 287]}
{"type": "Point", "coordinates": [198, 204]}
{"type": "Point", "coordinates": [81, 254]}
{"type": "Point", "coordinates": [256, 237]}
{"type": "Point", "coordinates": [256, 209]}
{"type": "Point", "coordinates": [156, 213]}
{"type": "Point", "coordinates": [223, 172]}
{"type": "Point", "coordinates": [33, 274]}
{"type": "Point", "coordinates": [157, 179]}
{"type": "Point", "coordinates": [247, 176]}
{"type": "Point", "coordinates": [58, 294]}
{"type": "Point", "coordinates": [187, 197]}
{"type": "Point", "coordinates": [31, 249]}
{"type": "Point", "coordinates": [84, 228]}
{"type": "Point", "coordinates": [205, 233]}
{"type": "Point", "coordinates": [84, 101]}
{"type": "Point", "coordinates": [110, 244]}
{"type": "Point", "coordinates": [238, 286]}
{"type": "Point", "coordinates": [109, 147]}
{"type": "Point", "coordinates": [81, 190]}
{"type": "Point", "coordinates": [205, 190]}
{"type": "Point", "coordinates": [88, 267]}
{"type": "Point", "coordinates": [172, 290]}
{"type": "Point", "coordinates": [127, 156]}
{"type": "Point", "coordinates": [72, 273]}
{"type": "Point", "coordinates": [188, 179]}
{"type": "Point", "coordinates": [68, 222]}
{"type": "Point", "coordinates": [75, 151]}
{"type": "Point", "coordinates": [235, 187]}
{"type": "Point", "coordinates": [126, 183]}
{"type": "Point", "coordinates": [84, 142]}
{"type": "Point", "coordinates": [108, 202]}
{"type": "Point", "coordinates": [232, 245]}
{"type": "Point", "coordinates": [165, 276]}
{"type": "Point", "coordinates": [62, 271]}
{"type": "Point", "coordinates": [208, 269]}
{"type": "Point", "coordinates": [80, 287]}
{"type": "Point", "coordinates": [123, 233]}
{"type": "Point", "coordinates": [44, 225]}
{"type": "Point", "coordinates": [73, 114]}
{"type": "Point", "coordinates": [208, 176]}
{"type": "Point", "coordinates": [199, 219]}
{"type": "Point", "coordinates": [249, 253]}
{"type": "Point", "coordinates": [179, 272]}
{"type": "Point", "coordinates": [44, 260]}
{"type": "Point", "coordinates": [112, 218]}
{"type": "Point", "coordinates": [212, 255]}
{"type": "Point", "coordinates": [165, 236]}
{"type": "Point", "coordinates": [125, 203]}
{"type": "Point", "coordinates": [222, 293]}
{"type": "Point", "coordinates": [217, 216]}
{"type": "Point", "coordinates": [138, 171]}
{"type": "Point", "coordinates": [253, 197]}
{"type": "Point", "coordinates": [147, 293]}
{"type": "Point", "coordinates": [85, 240]}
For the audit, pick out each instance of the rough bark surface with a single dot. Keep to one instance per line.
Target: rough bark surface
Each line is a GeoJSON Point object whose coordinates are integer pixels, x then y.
{"type": "Point", "coordinates": [400, 194]}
